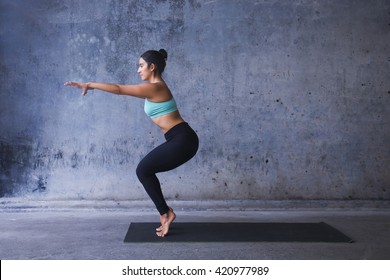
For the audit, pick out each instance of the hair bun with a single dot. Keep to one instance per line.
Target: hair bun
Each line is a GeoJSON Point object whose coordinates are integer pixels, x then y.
{"type": "Point", "coordinates": [163, 53]}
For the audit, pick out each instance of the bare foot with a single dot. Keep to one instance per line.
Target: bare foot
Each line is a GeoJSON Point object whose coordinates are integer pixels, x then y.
{"type": "Point", "coordinates": [166, 220]}
{"type": "Point", "coordinates": [161, 227]}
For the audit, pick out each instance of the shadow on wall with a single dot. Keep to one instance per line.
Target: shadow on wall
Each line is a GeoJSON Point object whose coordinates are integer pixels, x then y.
{"type": "Point", "coordinates": [17, 169]}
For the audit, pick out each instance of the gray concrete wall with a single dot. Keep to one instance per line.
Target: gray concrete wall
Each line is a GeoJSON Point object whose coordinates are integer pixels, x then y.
{"type": "Point", "coordinates": [290, 98]}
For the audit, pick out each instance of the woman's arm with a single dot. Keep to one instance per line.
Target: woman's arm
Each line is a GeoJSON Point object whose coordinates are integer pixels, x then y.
{"type": "Point", "coordinates": [141, 90]}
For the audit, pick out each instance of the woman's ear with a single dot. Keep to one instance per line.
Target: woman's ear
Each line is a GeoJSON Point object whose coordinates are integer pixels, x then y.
{"type": "Point", "coordinates": [152, 67]}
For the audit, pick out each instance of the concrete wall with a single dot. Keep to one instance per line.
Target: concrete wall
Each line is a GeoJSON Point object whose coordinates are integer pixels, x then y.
{"type": "Point", "coordinates": [291, 99]}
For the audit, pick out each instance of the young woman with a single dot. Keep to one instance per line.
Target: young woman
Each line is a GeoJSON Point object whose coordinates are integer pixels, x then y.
{"type": "Point", "coordinates": [181, 140]}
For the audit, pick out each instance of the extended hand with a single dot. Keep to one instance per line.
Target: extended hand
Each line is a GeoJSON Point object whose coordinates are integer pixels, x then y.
{"type": "Point", "coordinates": [82, 86]}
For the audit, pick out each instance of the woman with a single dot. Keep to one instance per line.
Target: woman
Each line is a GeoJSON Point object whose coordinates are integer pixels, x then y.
{"type": "Point", "coordinates": [181, 141]}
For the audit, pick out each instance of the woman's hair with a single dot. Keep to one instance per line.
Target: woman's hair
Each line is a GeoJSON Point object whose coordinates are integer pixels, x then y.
{"type": "Point", "coordinates": [157, 58]}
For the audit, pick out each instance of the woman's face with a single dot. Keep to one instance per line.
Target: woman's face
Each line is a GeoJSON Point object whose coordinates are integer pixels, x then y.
{"type": "Point", "coordinates": [144, 71]}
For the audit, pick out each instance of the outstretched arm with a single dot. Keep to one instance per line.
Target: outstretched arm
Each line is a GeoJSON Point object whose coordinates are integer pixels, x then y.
{"type": "Point", "coordinates": [141, 90]}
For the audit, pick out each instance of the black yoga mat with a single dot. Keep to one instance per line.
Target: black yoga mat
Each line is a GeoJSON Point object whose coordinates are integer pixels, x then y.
{"type": "Point", "coordinates": [237, 232]}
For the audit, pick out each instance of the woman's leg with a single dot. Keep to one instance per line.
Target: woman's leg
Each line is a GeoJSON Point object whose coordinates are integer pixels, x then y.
{"type": "Point", "coordinates": [146, 172]}
{"type": "Point", "coordinates": [161, 159]}
{"type": "Point", "coordinates": [182, 144]}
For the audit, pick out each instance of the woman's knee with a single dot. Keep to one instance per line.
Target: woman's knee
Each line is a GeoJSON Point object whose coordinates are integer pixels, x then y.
{"type": "Point", "coordinates": [141, 171]}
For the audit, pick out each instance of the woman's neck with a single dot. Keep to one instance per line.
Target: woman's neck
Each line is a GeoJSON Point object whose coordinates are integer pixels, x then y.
{"type": "Point", "coordinates": [156, 78]}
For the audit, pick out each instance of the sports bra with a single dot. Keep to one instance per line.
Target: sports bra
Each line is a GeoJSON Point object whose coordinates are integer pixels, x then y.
{"type": "Point", "coordinates": [157, 109]}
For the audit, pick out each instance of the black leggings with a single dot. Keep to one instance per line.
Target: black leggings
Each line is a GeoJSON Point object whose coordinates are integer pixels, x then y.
{"type": "Point", "coordinates": [181, 145]}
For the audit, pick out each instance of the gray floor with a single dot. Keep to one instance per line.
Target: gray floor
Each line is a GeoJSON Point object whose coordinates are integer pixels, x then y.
{"type": "Point", "coordinates": [87, 233]}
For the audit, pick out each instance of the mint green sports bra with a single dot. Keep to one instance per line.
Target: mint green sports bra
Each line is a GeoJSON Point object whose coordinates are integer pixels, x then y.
{"type": "Point", "coordinates": [157, 109]}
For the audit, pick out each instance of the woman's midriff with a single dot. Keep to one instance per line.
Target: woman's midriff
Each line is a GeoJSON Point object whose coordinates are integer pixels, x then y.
{"type": "Point", "coordinates": [168, 121]}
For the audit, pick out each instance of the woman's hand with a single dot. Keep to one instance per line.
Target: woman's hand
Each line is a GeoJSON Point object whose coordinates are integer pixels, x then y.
{"type": "Point", "coordinates": [83, 86]}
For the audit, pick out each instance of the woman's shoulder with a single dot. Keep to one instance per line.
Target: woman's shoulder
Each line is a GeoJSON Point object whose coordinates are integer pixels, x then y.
{"type": "Point", "coordinates": [161, 92]}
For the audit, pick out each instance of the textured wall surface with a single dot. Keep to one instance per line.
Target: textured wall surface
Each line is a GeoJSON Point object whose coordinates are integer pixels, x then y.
{"type": "Point", "coordinates": [291, 99]}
